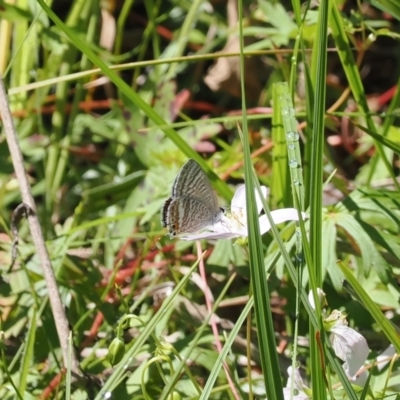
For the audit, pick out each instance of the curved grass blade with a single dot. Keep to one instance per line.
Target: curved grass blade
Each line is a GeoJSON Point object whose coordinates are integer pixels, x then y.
{"type": "Point", "coordinates": [353, 76]}
{"type": "Point", "coordinates": [391, 7]}
{"type": "Point", "coordinates": [120, 369]}
{"type": "Point", "coordinates": [381, 139]}
{"type": "Point", "coordinates": [366, 301]}
{"type": "Point", "coordinates": [222, 188]}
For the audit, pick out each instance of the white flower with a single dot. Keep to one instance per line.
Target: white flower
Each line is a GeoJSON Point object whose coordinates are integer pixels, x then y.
{"type": "Point", "coordinates": [234, 224]}
{"type": "Point", "coordinates": [321, 298]}
{"type": "Point", "coordinates": [385, 357]}
{"type": "Point", "coordinates": [349, 345]}
{"type": "Point", "coordinates": [299, 388]}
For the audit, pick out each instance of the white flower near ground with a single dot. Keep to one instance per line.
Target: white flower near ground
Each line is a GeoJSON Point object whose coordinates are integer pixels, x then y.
{"type": "Point", "coordinates": [234, 224]}
{"type": "Point", "coordinates": [298, 392]}
{"type": "Point", "coordinates": [350, 346]}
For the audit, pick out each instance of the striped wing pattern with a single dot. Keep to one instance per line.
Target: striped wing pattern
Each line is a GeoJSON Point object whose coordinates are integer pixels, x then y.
{"type": "Point", "coordinates": [193, 204]}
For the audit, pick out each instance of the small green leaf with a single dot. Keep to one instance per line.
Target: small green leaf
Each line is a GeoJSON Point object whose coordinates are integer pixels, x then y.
{"type": "Point", "coordinates": [391, 7]}
{"type": "Point", "coordinates": [329, 255]}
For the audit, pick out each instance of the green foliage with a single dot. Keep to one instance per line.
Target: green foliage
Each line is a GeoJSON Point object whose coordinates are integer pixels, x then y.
{"type": "Point", "coordinates": [101, 156]}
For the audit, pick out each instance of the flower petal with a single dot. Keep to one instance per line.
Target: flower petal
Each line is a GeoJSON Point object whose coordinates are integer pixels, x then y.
{"type": "Point", "coordinates": [209, 235]}
{"type": "Point", "coordinates": [279, 216]}
{"type": "Point", "coordinates": [235, 225]}
{"type": "Point", "coordinates": [265, 226]}
{"type": "Point", "coordinates": [385, 357]}
{"type": "Point", "coordinates": [258, 200]}
{"type": "Point", "coordinates": [239, 200]}
{"type": "Point", "coordinates": [351, 347]}
{"type": "Point", "coordinates": [288, 395]}
{"type": "Point", "coordinates": [286, 214]}
{"type": "Point", "coordinates": [219, 230]}
{"type": "Point", "coordinates": [225, 228]}
{"type": "Point", "coordinates": [298, 386]}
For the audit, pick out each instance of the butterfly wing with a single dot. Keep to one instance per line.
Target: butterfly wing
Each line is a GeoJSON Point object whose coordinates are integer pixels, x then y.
{"type": "Point", "coordinates": [191, 181]}
{"type": "Point", "coordinates": [193, 204]}
{"type": "Point", "coordinates": [187, 215]}
{"type": "Point", "coordinates": [164, 212]}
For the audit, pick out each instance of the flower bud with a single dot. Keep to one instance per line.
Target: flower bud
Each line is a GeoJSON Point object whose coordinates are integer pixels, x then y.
{"type": "Point", "coordinates": [116, 351]}
{"type": "Point", "coordinates": [321, 298]}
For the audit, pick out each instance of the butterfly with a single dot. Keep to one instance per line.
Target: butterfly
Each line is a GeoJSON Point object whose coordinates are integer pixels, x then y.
{"type": "Point", "coordinates": [193, 204]}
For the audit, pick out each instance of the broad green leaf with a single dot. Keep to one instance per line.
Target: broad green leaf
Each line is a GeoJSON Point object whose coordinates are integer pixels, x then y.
{"type": "Point", "coordinates": [370, 305]}
{"type": "Point", "coordinates": [370, 255]}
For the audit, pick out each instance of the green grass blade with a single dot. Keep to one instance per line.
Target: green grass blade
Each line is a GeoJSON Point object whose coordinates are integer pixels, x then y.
{"type": "Point", "coordinates": [318, 140]}
{"type": "Point", "coordinates": [313, 315]}
{"type": "Point", "coordinates": [353, 76]}
{"type": "Point", "coordinates": [372, 307]}
{"type": "Point", "coordinates": [228, 344]}
{"type": "Point", "coordinates": [318, 76]}
{"type": "Point", "coordinates": [265, 331]}
{"type": "Point", "coordinates": [382, 139]}
{"type": "Point", "coordinates": [123, 16]}
{"type": "Point", "coordinates": [392, 7]}
{"type": "Point", "coordinates": [56, 157]}
{"type": "Point", "coordinates": [120, 369]}
{"type": "Point", "coordinates": [184, 35]}
{"type": "Point", "coordinates": [220, 186]}
{"type": "Point", "coordinates": [27, 357]}
{"type": "Point", "coordinates": [370, 255]}
{"type": "Point", "coordinates": [280, 182]}
{"type": "Point", "coordinates": [292, 144]}
{"type": "Point", "coordinates": [68, 380]}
